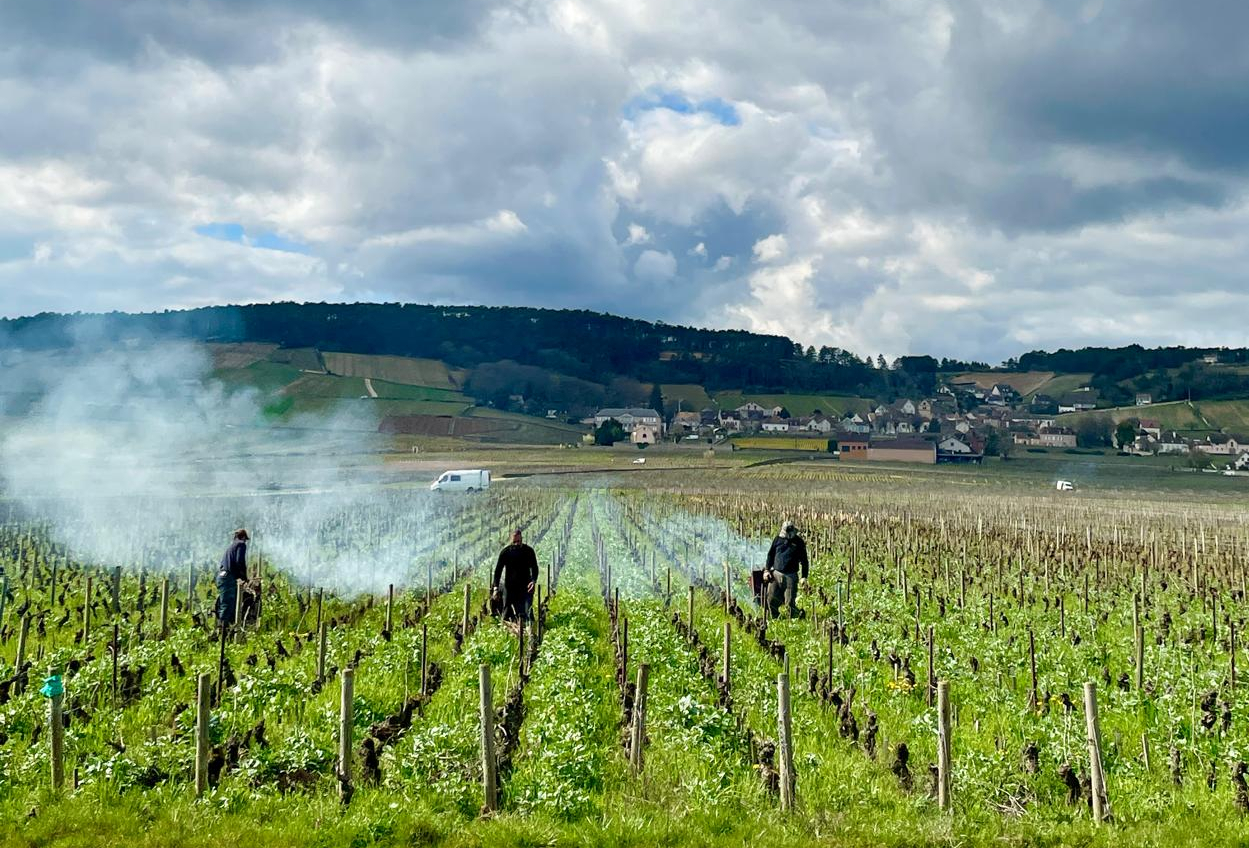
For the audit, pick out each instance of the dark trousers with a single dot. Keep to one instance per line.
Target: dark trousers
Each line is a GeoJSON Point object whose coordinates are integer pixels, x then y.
{"type": "Point", "coordinates": [784, 591]}
{"type": "Point", "coordinates": [517, 603]}
{"type": "Point", "coordinates": [227, 597]}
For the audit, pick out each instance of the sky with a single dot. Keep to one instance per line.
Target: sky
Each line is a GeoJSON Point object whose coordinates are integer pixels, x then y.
{"type": "Point", "coordinates": [966, 178]}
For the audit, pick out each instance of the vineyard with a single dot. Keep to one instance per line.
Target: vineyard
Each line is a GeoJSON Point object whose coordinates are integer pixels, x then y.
{"type": "Point", "coordinates": [969, 670]}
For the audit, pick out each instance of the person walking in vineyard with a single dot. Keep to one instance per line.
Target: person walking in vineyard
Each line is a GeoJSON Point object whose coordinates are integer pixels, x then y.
{"type": "Point", "coordinates": [787, 564]}
{"type": "Point", "coordinates": [233, 569]}
{"type": "Point", "coordinates": [518, 567]}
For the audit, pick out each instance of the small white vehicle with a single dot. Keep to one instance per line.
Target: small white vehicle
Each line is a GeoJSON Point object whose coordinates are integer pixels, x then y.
{"type": "Point", "coordinates": [475, 480]}
{"type": "Point", "coordinates": [641, 460]}
{"type": "Point", "coordinates": [1065, 486]}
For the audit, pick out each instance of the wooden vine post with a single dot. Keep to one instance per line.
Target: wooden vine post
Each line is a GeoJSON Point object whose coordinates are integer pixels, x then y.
{"type": "Point", "coordinates": [22, 635]}
{"type": "Point", "coordinates": [691, 613]}
{"type": "Point", "coordinates": [489, 776]}
{"type": "Point", "coordinates": [322, 638]}
{"type": "Point", "coordinates": [468, 600]}
{"type": "Point", "coordinates": [637, 737]}
{"type": "Point", "coordinates": [164, 608]}
{"type": "Point", "coordinates": [785, 752]}
{"type": "Point", "coordinates": [56, 729]}
{"type": "Point", "coordinates": [1139, 656]}
{"type": "Point", "coordinates": [344, 733]}
{"type": "Point", "coordinates": [943, 744]}
{"type": "Point", "coordinates": [726, 672]}
{"type": "Point", "coordinates": [390, 608]}
{"type": "Point", "coordinates": [424, 659]}
{"type": "Point", "coordinates": [202, 706]}
{"type": "Point", "coordinates": [1097, 778]}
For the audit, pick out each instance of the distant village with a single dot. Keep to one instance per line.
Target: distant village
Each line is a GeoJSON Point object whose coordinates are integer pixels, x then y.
{"type": "Point", "coordinates": [963, 422]}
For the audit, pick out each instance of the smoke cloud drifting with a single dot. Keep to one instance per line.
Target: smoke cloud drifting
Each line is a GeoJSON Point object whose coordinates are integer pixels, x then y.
{"type": "Point", "coordinates": [136, 456]}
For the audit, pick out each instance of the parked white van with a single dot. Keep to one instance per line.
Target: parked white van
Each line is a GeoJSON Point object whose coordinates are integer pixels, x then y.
{"type": "Point", "coordinates": [475, 480]}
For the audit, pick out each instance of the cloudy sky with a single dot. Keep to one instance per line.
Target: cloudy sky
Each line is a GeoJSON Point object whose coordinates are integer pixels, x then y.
{"type": "Point", "coordinates": [967, 178]}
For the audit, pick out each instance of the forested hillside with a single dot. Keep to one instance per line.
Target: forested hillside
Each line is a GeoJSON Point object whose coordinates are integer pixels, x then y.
{"type": "Point", "coordinates": [578, 358]}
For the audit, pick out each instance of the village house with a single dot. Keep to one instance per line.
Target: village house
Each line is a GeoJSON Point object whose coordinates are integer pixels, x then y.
{"type": "Point", "coordinates": [1001, 394]}
{"type": "Point", "coordinates": [954, 449]}
{"type": "Point", "coordinates": [855, 424]}
{"type": "Point", "coordinates": [818, 424]}
{"type": "Point", "coordinates": [1221, 444]}
{"type": "Point", "coordinates": [645, 434]}
{"type": "Point", "coordinates": [852, 445]}
{"type": "Point", "coordinates": [1151, 427]}
{"type": "Point", "coordinates": [903, 450]}
{"type": "Point", "coordinates": [1057, 437]}
{"type": "Point", "coordinates": [687, 421]}
{"type": "Point", "coordinates": [630, 418]}
{"type": "Point", "coordinates": [1144, 399]}
{"type": "Point", "coordinates": [776, 425]}
{"type": "Point", "coordinates": [1080, 400]}
{"type": "Point", "coordinates": [1172, 443]}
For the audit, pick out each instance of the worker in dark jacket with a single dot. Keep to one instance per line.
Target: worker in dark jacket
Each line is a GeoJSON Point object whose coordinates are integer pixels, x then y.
{"type": "Point", "coordinates": [233, 569]}
{"type": "Point", "coordinates": [787, 564]}
{"type": "Point", "coordinates": [518, 567]}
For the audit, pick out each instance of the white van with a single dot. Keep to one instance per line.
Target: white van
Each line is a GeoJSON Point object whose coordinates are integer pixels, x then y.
{"type": "Point", "coordinates": [461, 481]}
{"type": "Point", "coordinates": [1065, 486]}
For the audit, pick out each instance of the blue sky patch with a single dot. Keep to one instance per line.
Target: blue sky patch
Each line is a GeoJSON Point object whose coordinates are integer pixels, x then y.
{"type": "Point", "coordinates": [720, 109]}
{"type": "Point", "coordinates": [235, 233]}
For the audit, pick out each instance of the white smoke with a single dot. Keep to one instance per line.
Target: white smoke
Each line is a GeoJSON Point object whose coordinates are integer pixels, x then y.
{"type": "Point", "coordinates": [135, 456]}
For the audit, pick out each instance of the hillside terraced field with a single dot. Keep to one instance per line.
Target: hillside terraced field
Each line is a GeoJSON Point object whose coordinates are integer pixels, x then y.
{"type": "Point", "coordinates": [403, 370]}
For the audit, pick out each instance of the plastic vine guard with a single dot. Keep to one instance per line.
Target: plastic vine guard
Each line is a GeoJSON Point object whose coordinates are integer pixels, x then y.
{"type": "Point", "coordinates": [52, 686]}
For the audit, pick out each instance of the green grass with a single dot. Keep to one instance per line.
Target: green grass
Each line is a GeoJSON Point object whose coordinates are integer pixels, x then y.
{"type": "Point", "coordinates": [402, 391]}
{"type": "Point", "coordinates": [264, 376]}
{"type": "Point", "coordinates": [405, 370]}
{"type": "Point", "coordinates": [1060, 385]}
{"type": "Point", "coordinates": [692, 396]}
{"type": "Point", "coordinates": [1174, 415]}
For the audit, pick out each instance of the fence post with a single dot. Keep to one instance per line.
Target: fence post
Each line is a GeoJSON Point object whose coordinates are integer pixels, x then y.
{"type": "Point", "coordinates": [1097, 779]}
{"type": "Point", "coordinates": [638, 733]}
{"type": "Point", "coordinates": [726, 673]}
{"type": "Point", "coordinates": [943, 744]}
{"type": "Point", "coordinates": [1033, 703]}
{"type": "Point", "coordinates": [56, 733]}
{"type": "Point", "coordinates": [930, 685]}
{"type": "Point", "coordinates": [489, 781]}
{"type": "Point", "coordinates": [424, 658]}
{"type": "Point", "coordinates": [4, 594]}
{"type": "Point", "coordinates": [202, 707]}
{"type": "Point", "coordinates": [786, 746]}
{"type": "Point", "coordinates": [164, 607]}
{"type": "Point", "coordinates": [727, 588]}
{"type": "Point", "coordinates": [345, 734]}
{"type": "Point", "coordinates": [390, 607]}
{"type": "Point", "coordinates": [1139, 656]}
{"type": "Point", "coordinates": [22, 634]}
{"type": "Point", "coordinates": [321, 647]}
{"type": "Point", "coordinates": [117, 590]}
{"type": "Point", "coordinates": [691, 613]}
{"type": "Point", "coordinates": [86, 611]}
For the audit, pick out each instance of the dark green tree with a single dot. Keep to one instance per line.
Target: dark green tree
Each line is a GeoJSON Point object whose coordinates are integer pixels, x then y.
{"type": "Point", "coordinates": [609, 432]}
{"type": "Point", "coordinates": [1125, 434]}
{"type": "Point", "coordinates": [657, 398]}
